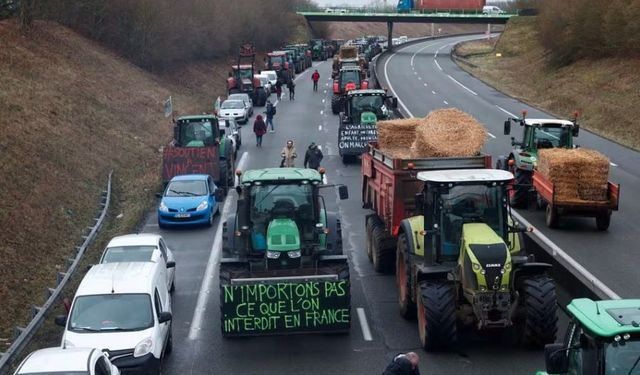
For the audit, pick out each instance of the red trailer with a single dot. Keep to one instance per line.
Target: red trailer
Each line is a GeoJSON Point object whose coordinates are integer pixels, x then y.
{"type": "Point", "coordinates": [389, 187]}
{"type": "Point", "coordinates": [449, 5]}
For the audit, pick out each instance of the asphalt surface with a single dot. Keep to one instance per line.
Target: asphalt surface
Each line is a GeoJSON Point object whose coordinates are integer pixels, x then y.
{"type": "Point", "coordinates": [425, 78]}
{"type": "Point", "coordinates": [198, 345]}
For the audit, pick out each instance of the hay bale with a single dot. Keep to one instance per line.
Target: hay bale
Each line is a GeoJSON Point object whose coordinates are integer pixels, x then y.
{"type": "Point", "coordinates": [397, 134]}
{"type": "Point", "coordinates": [348, 52]}
{"type": "Point", "coordinates": [448, 133]}
{"type": "Point", "coordinates": [398, 152]}
{"type": "Point", "coordinates": [578, 175]}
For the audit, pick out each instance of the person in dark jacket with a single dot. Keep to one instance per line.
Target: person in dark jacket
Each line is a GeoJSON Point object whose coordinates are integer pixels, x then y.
{"type": "Point", "coordinates": [270, 112]}
{"type": "Point", "coordinates": [313, 157]}
{"type": "Point", "coordinates": [403, 364]}
{"type": "Point", "coordinates": [292, 89]}
{"type": "Point", "coordinates": [279, 89]}
{"type": "Point", "coordinates": [259, 128]}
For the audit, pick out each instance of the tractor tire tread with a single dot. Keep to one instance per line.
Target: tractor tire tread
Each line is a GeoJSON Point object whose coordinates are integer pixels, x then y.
{"type": "Point", "coordinates": [439, 301]}
{"type": "Point", "coordinates": [540, 323]}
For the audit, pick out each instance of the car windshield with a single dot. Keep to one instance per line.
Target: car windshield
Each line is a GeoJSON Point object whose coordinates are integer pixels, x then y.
{"type": "Point", "coordinates": [196, 134]}
{"type": "Point", "coordinates": [469, 204]}
{"type": "Point", "coordinates": [183, 188]}
{"type": "Point", "coordinates": [117, 254]}
{"type": "Point", "coordinates": [550, 137]}
{"type": "Point", "coordinates": [111, 312]}
{"type": "Point", "coordinates": [622, 359]}
{"type": "Point", "coordinates": [232, 104]}
{"type": "Point", "coordinates": [363, 104]}
{"type": "Point", "coordinates": [350, 76]}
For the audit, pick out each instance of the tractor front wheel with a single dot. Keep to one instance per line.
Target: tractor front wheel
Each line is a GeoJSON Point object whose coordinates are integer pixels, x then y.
{"type": "Point", "coordinates": [539, 322]}
{"type": "Point", "coordinates": [437, 323]}
{"type": "Point", "coordinates": [403, 278]}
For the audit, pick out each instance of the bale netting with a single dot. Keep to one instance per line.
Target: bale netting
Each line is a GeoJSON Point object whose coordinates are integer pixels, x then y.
{"type": "Point", "coordinates": [577, 174]}
{"type": "Point", "coordinates": [397, 134]}
{"type": "Point", "coordinates": [448, 133]}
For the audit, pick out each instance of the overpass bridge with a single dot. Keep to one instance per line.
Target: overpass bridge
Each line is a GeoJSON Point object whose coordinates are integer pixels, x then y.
{"type": "Point", "coordinates": [391, 18]}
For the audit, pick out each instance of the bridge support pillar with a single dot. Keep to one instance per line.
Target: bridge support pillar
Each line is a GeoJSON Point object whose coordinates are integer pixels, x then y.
{"type": "Point", "coordinates": [389, 35]}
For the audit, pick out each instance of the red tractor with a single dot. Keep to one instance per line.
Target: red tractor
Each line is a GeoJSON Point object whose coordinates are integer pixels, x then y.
{"type": "Point", "coordinates": [277, 60]}
{"type": "Point", "coordinates": [241, 78]}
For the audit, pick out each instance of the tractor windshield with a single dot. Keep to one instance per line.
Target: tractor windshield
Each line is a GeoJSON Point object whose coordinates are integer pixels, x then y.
{"type": "Point", "coordinates": [245, 74]}
{"type": "Point", "coordinates": [349, 76]}
{"type": "Point", "coordinates": [361, 104]}
{"type": "Point", "coordinates": [277, 59]}
{"type": "Point", "coordinates": [551, 137]}
{"type": "Point", "coordinates": [622, 358]}
{"type": "Point", "coordinates": [197, 134]}
{"type": "Point", "coordinates": [470, 204]}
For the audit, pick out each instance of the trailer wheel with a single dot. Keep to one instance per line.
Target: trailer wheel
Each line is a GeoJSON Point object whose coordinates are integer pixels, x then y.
{"type": "Point", "coordinates": [520, 195]}
{"type": "Point", "coordinates": [383, 261]}
{"type": "Point", "coordinates": [335, 104]}
{"type": "Point", "coordinates": [551, 216]}
{"type": "Point", "coordinates": [603, 220]}
{"type": "Point", "coordinates": [437, 324]}
{"type": "Point", "coordinates": [538, 325]}
{"type": "Point", "coordinates": [368, 227]}
{"type": "Point", "coordinates": [403, 279]}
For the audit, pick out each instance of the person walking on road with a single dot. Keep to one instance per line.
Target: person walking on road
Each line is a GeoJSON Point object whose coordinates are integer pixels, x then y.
{"type": "Point", "coordinates": [259, 128]}
{"type": "Point", "coordinates": [279, 89]}
{"type": "Point", "coordinates": [288, 155]}
{"type": "Point", "coordinates": [270, 112]}
{"type": "Point", "coordinates": [403, 364]}
{"type": "Point", "coordinates": [313, 157]}
{"type": "Point", "coordinates": [315, 77]}
{"type": "Point", "coordinates": [292, 89]}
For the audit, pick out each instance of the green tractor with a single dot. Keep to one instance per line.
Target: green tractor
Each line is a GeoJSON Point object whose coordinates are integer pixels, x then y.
{"type": "Point", "coordinates": [463, 263]}
{"type": "Point", "coordinates": [318, 49]}
{"type": "Point", "coordinates": [603, 338]}
{"type": "Point", "coordinates": [282, 241]}
{"type": "Point", "coordinates": [538, 134]}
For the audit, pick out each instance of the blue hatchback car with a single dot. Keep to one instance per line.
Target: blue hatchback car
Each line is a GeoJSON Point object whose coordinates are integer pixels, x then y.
{"type": "Point", "coordinates": [189, 200]}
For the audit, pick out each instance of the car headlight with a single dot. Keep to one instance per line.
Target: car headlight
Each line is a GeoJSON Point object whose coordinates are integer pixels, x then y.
{"type": "Point", "coordinates": [163, 207]}
{"type": "Point", "coordinates": [204, 204]}
{"type": "Point", "coordinates": [273, 254]}
{"type": "Point", "coordinates": [143, 347]}
{"type": "Point", "coordinates": [294, 254]}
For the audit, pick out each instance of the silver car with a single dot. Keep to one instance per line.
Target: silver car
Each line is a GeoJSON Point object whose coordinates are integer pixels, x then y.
{"type": "Point", "coordinates": [245, 99]}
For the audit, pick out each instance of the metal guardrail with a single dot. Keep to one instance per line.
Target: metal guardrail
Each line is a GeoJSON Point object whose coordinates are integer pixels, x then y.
{"type": "Point", "coordinates": [543, 245]}
{"type": "Point", "coordinates": [26, 334]}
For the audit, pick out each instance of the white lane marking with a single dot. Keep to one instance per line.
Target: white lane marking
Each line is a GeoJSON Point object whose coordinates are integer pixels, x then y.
{"type": "Point", "coordinates": [420, 78]}
{"type": "Point", "coordinates": [326, 84]}
{"type": "Point", "coordinates": [613, 164]}
{"type": "Point", "coordinates": [445, 102]}
{"type": "Point", "coordinates": [324, 100]}
{"type": "Point", "coordinates": [364, 325]}
{"type": "Point", "coordinates": [320, 127]}
{"type": "Point", "coordinates": [322, 112]}
{"type": "Point", "coordinates": [417, 52]}
{"type": "Point", "coordinates": [325, 91]}
{"type": "Point", "coordinates": [461, 85]}
{"type": "Point", "coordinates": [505, 111]}
{"type": "Point", "coordinates": [435, 56]}
{"type": "Point", "coordinates": [212, 267]}
{"type": "Point", "coordinates": [416, 73]}
{"type": "Point", "coordinates": [438, 65]}
{"type": "Point", "coordinates": [425, 85]}
{"type": "Point", "coordinates": [433, 92]}
{"type": "Point", "coordinates": [491, 135]}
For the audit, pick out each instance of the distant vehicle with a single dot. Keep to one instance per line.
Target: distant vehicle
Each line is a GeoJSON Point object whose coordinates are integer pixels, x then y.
{"type": "Point", "coordinates": [229, 129]}
{"type": "Point", "coordinates": [80, 361]}
{"type": "Point", "coordinates": [123, 309]}
{"type": "Point", "coordinates": [395, 41]}
{"type": "Point", "coordinates": [189, 199]}
{"type": "Point", "coordinates": [492, 9]}
{"type": "Point", "coordinates": [336, 11]}
{"type": "Point", "coordinates": [265, 83]}
{"type": "Point", "coordinates": [236, 109]}
{"type": "Point", "coordinates": [141, 248]}
{"type": "Point", "coordinates": [403, 39]}
{"type": "Point", "coordinates": [273, 78]}
{"type": "Point", "coordinates": [246, 99]}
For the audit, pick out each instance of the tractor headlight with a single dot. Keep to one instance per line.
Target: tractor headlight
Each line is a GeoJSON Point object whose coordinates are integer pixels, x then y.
{"type": "Point", "coordinates": [273, 254]}
{"type": "Point", "coordinates": [203, 205]}
{"type": "Point", "coordinates": [295, 254]}
{"type": "Point", "coordinates": [163, 207]}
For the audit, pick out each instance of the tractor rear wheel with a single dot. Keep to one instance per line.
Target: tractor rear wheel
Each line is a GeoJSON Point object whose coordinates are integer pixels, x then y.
{"type": "Point", "coordinates": [437, 322]}
{"type": "Point", "coordinates": [382, 254]}
{"type": "Point", "coordinates": [539, 323]}
{"type": "Point", "coordinates": [520, 195]}
{"type": "Point", "coordinates": [403, 278]}
{"type": "Point", "coordinates": [603, 220]}
{"type": "Point", "coordinates": [335, 104]}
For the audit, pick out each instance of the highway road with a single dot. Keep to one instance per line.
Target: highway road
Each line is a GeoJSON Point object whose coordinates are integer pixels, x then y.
{"type": "Point", "coordinates": [425, 78]}
{"type": "Point", "coordinates": [378, 333]}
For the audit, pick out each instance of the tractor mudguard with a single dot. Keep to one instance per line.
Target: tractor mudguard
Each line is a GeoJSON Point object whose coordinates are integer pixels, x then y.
{"type": "Point", "coordinates": [333, 240]}
{"type": "Point", "coordinates": [412, 227]}
{"type": "Point", "coordinates": [228, 237]}
{"type": "Point", "coordinates": [436, 272]}
{"type": "Point", "coordinates": [531, 268]}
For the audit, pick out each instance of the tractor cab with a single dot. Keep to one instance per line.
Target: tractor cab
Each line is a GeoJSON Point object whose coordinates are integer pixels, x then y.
{"type": "Point", "coordinates": [466, 216]}
{"type": "Point", "coordinates": [242, 79]}
{"type": "Point", "coordinates": [284, 215]}
{"type": "Point", "coordinates": [277, 61]}
{"type": "Point", "coordinates": [603, 338]}
{"type": "Point", "coordinates": [348, 79]}
{"type": "Point", "coordinates": [369, 105]}
{"type": "Point", "coordinates": [196, 131]}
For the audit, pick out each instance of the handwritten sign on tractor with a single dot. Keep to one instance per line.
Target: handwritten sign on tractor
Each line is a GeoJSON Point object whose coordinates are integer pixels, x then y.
{"type": "Point", "coordinates": [353, 138]}
{"type": "Point", "coordinates": [310, 306]}
{"type": "Point", "coordinates": [187, 160]}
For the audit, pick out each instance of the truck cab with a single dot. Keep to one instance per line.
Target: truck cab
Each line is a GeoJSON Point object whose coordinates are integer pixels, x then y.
{"type": "Point", "coordinates": [603, 338]}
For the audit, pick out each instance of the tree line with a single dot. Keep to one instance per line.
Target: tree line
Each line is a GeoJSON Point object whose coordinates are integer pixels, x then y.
{"type": "Point", "coordinates": [161, 34]}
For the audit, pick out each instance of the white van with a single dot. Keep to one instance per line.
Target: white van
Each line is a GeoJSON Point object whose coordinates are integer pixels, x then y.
{"type": "Point", "coordinates": [86, 361]}
{"type": "Point", "coordinates": [492, 9]}
{"type": "Point", "coordinates": [124, 309]}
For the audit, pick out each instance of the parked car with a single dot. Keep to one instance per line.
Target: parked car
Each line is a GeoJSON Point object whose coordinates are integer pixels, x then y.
{"type": "Point", "coordinates": [273, 78]}
{"type": "Point", "coordinates": [229, 128]}
{"type": "Point", "coordinates": [246, 99]}
{"type": "Point", "coordinates": [123, 309]}
{"type": "Point", "coordinates": [188, 200]}
{"type": "Point", "coordinates": [143, 247]}
{"type": "Point", "coordinates": [265, 83]}
{"type": "Point", "coordinates": [85, 361]}
{"type": "Point", "coordinates": [236, 109]}
{"type": "Point", "coordinates": [492, 9]}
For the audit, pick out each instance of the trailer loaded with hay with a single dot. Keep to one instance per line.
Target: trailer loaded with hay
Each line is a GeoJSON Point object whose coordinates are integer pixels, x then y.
{"type": "Point", "coordinates": [406, 147]}
{"type": "Point", "coordinates": [574, 182]}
